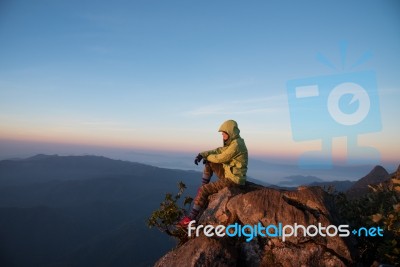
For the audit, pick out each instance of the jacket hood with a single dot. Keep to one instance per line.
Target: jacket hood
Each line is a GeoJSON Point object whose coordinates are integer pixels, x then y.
{"type": "Point", "coordinates": [231, 128]}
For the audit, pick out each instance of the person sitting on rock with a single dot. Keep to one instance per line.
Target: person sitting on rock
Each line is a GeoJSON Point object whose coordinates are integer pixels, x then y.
{"type": "Point", "coordinates": [228, 162]}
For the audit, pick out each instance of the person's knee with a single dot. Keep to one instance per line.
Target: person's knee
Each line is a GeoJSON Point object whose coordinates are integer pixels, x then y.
{"type": "Point", "coordinates": [214, 166]}
{"type": "Point", "coordinates": [218, 169]}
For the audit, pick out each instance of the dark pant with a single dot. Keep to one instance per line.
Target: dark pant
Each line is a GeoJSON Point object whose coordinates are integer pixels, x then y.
{"type": "Point", "coordinates": [213, 187]}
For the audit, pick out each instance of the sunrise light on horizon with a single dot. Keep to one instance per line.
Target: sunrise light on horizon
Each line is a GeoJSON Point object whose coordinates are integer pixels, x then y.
{"type": "Point", "coordinates": [163, 76]}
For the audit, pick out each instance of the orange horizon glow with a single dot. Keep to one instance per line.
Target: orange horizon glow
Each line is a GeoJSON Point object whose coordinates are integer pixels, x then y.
{"type": "Point", "coordinates": [259, 149]}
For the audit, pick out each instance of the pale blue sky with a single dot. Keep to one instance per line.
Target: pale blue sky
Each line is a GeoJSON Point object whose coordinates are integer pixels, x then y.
{"type": "Point", "coordinates": [165, 74]}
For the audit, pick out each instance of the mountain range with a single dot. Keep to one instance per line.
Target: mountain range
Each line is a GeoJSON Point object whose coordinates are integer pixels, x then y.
{"type": "Point", "coordinates": [82, 211]}
{"type": "Point", "coordinates": [86, 210]}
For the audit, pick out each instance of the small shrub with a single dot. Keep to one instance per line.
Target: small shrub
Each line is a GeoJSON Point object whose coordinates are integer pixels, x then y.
{"type": "Point", "coordinates": [169, 214]}
{"type": "Point", "coordinates": [380, 207]}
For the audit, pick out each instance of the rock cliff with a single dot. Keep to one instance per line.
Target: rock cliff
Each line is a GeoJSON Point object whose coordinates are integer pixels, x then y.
{"type": "Point", "coordinates": [255, 204]}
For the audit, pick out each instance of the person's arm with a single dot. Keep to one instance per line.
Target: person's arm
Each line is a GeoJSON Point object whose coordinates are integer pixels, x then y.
{"type": "Point", "coordinates": [226, 155]}
{"type": "Point", "coordinates": [218, 150]}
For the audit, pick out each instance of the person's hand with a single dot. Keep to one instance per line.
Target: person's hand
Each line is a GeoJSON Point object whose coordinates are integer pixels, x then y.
{"type": "Point", "coordinates": [198, 159]}
{"type": "Point", "coordinates": [205, 161]}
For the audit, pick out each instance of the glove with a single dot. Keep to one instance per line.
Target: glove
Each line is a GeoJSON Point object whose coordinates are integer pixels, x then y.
{"type": "Point", "coordinates": [205, 161]}
{"type": "Point", "coordinates": [198, 159]}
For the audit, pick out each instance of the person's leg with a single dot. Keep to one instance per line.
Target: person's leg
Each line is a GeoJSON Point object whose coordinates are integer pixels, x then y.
{"type": "Point", "coordinates": [204, 192]}
{"type": "Point", "coordinates": [211, 168]}
{"type": "Point", "coordinates": [209, 189]}
{"type": "Point", "coordinates": [208, 171]}
{"type": "Point", "coordinates": [218, 169]}
{"type": "Point", "coordinates": [206, 189]}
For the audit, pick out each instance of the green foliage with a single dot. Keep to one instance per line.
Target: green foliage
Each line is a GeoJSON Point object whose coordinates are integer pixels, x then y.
{"type": "Point", "coordinates": [380, 207]}
{"type": "Point", "coordinates": [169, 214]}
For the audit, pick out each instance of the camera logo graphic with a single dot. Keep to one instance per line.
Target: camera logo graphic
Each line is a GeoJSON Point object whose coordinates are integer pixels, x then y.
{"type": "Point", "coordinates": [325, 107]}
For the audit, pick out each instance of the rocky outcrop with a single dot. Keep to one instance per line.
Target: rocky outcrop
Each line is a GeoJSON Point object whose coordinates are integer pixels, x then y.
{"type": "Point", "coordinates": [360, 188]}
{"type": "Point", "coordinates": [201, 251]}
{"type": "Point", "coordinates": [256, 205]}
{"type": "Point", "coordinates": [391, 184]}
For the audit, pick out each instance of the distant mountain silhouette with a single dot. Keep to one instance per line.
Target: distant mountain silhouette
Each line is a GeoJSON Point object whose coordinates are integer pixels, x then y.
{"type": "Point", "coordinates": [340, 186]}
{"type": "Point", "coordinates": [295, 180]}
{"type": "Point", "coordinates": [83, 211]}
{"type": "Point", "coordinates": [359, 188]}
{"type": "Point", "coordinates": [44, 168]}
{"type": "Point", "coordinates": [291, 182]}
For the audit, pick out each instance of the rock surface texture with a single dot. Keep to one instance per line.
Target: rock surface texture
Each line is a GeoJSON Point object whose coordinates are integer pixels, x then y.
{"type": "Point", "coordinates": [255, 204]}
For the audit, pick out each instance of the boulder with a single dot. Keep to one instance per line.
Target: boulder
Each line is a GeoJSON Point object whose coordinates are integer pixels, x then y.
{"type": "Point", "coordinates": [256, 205]}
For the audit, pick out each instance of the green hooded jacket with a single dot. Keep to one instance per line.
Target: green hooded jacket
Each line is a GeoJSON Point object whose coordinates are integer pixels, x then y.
{"type": "Point", "coordinates": [233, 155]}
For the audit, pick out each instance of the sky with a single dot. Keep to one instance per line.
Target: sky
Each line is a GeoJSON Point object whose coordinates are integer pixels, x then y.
{"type": "Point", "coordinates": [163, 75]}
